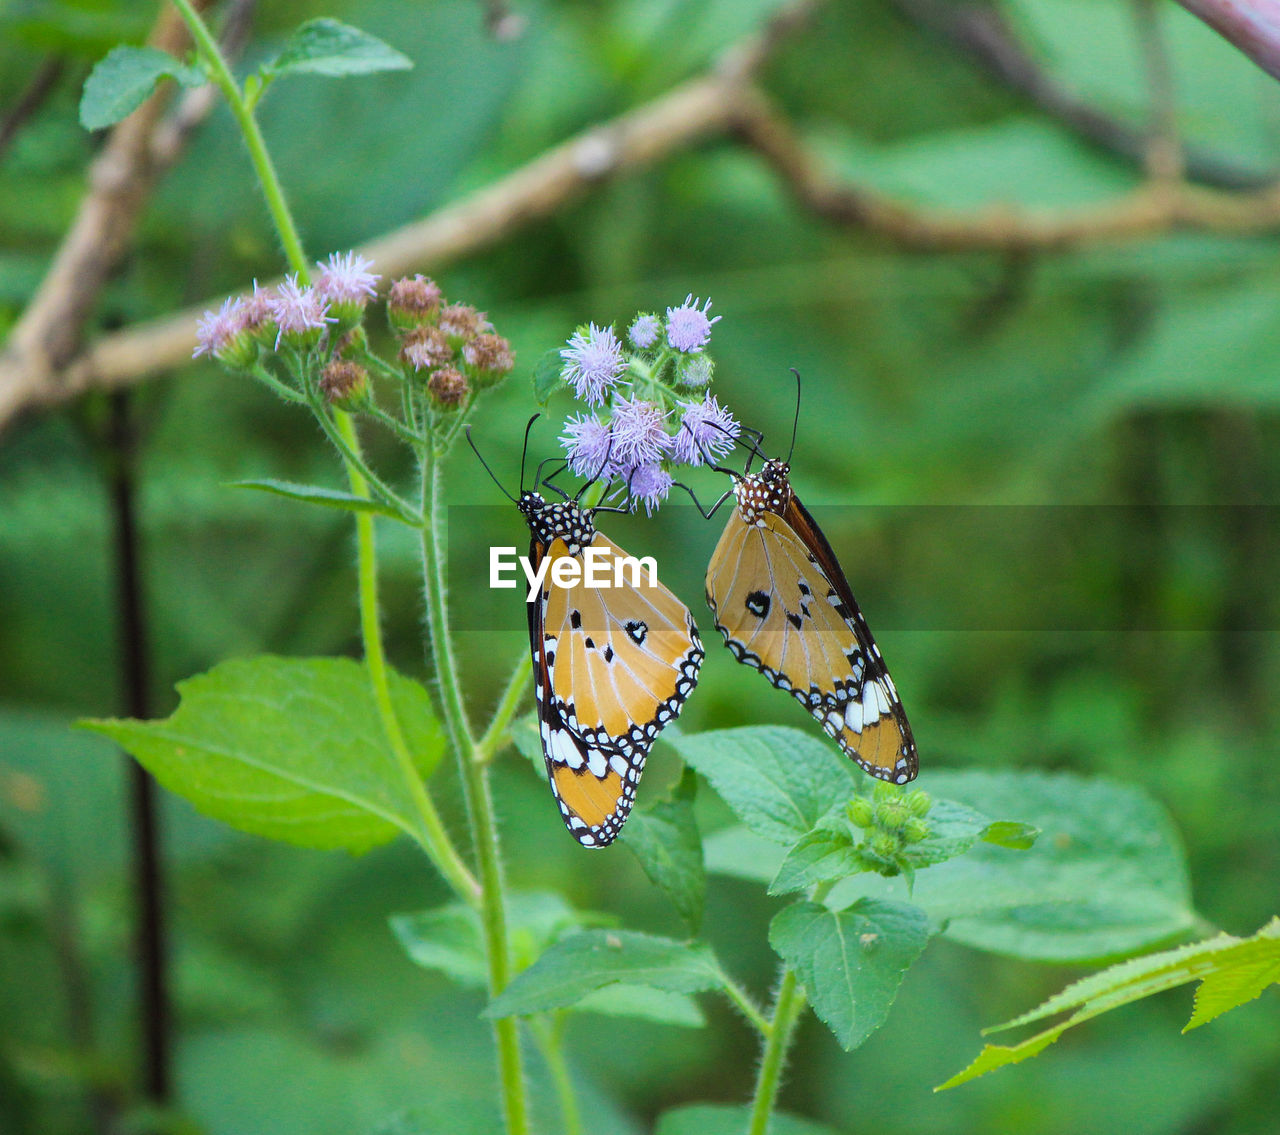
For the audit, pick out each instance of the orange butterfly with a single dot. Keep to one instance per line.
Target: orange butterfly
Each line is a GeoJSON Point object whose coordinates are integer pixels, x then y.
{"type": "Point", "coordinates": [611, 667]}
{"type": "Point", "coordinates": [784, 607]}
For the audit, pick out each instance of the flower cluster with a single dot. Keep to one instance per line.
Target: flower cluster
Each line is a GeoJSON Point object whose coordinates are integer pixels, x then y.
{"type": "Point", "coordinates": [447, 351]}
{"type": "Point", "coordinates": [648, 406]}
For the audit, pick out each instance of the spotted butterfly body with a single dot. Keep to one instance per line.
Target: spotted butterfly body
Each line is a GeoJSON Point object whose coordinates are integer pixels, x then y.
{"type": "Point", "coordinates": [612, 666]}
{"type": "Point", "coordinates": [784, 607]}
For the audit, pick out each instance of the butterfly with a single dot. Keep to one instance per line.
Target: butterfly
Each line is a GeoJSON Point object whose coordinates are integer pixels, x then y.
{"type": "Point", "coordinates": [784, 607]}
{"type": "Point", "coordinates": [612, 666]}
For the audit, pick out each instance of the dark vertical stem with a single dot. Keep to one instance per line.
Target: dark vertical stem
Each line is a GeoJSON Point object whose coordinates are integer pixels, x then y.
{"type": "Point", "coordinates": [148, 883]}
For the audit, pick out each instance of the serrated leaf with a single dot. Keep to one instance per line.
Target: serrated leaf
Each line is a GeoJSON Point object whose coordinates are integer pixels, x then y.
{"type": "Point", "coordinates": [721, 1119]}
{"type": "Point", "coordinates": [329, 47]}
{"type": "Point", "coordinates": [1106, 876]}
{"type": "Point", "coordinates": [1231, 971]}
{"type": "Point", "coordinates": [576, 966]}
{"type": "Point", "coordinates": [289, 748]}
{"type": "Point", "coordinates": [779, 781]}
{"type": "Point", "coordinates": [666, 841]}
{"type": "Point", "coordinates": [850, 961]}
{"type": "Point", "coordinates": [817, 857]}
{"type": "Point", "coordinates": [547, 375]}
{"type": "Point", "coordinates": [124, 78]}
{"type": "Point", "coordinates": [955, 828]}
{"type": "Point", "coordinates": [316, 494]}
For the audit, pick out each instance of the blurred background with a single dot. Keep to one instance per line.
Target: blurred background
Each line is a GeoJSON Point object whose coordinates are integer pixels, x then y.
{"type": "Point", "coordinates": [1090, 588]}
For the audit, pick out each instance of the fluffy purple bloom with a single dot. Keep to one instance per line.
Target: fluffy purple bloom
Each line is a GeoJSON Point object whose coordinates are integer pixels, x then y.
{"type": "Point", "coordinates": [587, 445]}
{"type": "Point", "coordinates": [688, 327]}
{"type": "Point", "coordinates": [593, 363]}
{"type": "Point", "coordinates": [216, 329]}
{"type": "Point", "coordinates": [297, 309]}
{"type": "Point", "coordinates": [257, 308]}
{"type": "Point", "coordinates": [707, 429]}
{"type": "Point", "coordinates": [695, 371]}
{"type": "Point", "coordinates": [644, 331]}
{"type": "Point", "coordinates": [649, 484]}
{"type": "Point", "coordinates": [346, 279]}
{"type": "Point", "coordinates": [639, 432]}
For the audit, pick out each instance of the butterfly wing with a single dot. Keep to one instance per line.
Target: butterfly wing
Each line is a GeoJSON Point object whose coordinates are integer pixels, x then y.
{"type": "Point", "coordinates": [783, 605]}
{"type": "Point", "coordinates": [612, 667]}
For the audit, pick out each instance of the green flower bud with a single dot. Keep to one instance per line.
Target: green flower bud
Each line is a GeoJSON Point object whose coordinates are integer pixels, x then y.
{"type": "Point", "coordinates": [919, 802]}
{"type": "Point", "coordinates": [860, 812]}
{"type": "Point", "coordinates": [915, 830]}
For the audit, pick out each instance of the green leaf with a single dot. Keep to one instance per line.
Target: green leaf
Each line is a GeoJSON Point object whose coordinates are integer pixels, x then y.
{"type": "Point", "coordinates": [328, 47]}
{"type": "Point", "coordinates": [315, 494]}
{"type": "Point", "coordinates": [289, 748]}
{"type": "Point", "coordinates": [1230, 970]}
{"type": "Point", "coordinates": [955, 828]}
{"type": "Point", "coordinates": [779, 781]}
{"type": "Point", "coordinates": [446, 939]}
{"type": "Point", "coordinates": [721, 1119]}
{"type": "Point", "coordinates": [643, 1003]}
{"type": "Point", "coordinates": [666, 841]}
{"type": "Point", "coordinates": [546, 375]}
{"type": "Point", "coordinates": [850, 961]}
{"type": "Point", "coordinates": [579, 965]}
{"type": "Point", "coordinates": [123, 79]}
{"type": "Point", "coordinates": [1107, 875]}
{"type": "Point", "coordinates": [817, 858]}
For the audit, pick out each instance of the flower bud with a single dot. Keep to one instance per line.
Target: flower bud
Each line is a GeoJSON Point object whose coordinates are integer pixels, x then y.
{"type": "Point", "coordinates": [345, 384]}
{"type": "Point", "coordinates": [412, 302]}
{"type": "Point", "coordinates": [915, 830]}
{"type": "Point", "coordinates": [462, 323]}
{"type": "Point", "coordinates": [490, 358]}
{"type": "Point", "coordinates": [448, 388]}
{"type": "Point", "coordinates": [861, 813]}
{"type": "Point", "coordinates": [892, 814]}
{"type": "Point", "coordinates": [884, 846]}
{"type": "Point", "coordinates": [694, 371]}
{"type": "Point", "coordinates": [919, 802]}
{"type": "Point", "coordinates": [426, 348]}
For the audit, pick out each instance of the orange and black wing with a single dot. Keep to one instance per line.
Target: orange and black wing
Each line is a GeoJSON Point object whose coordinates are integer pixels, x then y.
{"type": "Point", "coordinates": [612, 667]}
{"type": "Point", "coordinates": [785, 608]}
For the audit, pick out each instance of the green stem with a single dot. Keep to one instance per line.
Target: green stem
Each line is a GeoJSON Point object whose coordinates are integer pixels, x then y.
{"type": "Point", "coordinates": [786, 1011]}
{"type": "Point", "coordinates": [787, 1007]}
{"type": "Point", "coordinates": [746, 1006]}
{"type": "Point", "coordinates": [479, 801]}
{"type": "Point", "coordinates": [548, 1038]}
{"type": "Point", "coordinates": [220, 73]}
{"type": "Point", "coordinates": [433, 837]}
{"type": "Point", "coordinates": [493, 737]}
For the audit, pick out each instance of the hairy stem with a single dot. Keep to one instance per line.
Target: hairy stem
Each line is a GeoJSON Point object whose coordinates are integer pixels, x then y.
{"type": "Point", "coordinates": [475, 782]}
{"type": "Point", "coordinates": [493, 737]}
{"type": "Point", "coordinates": [548, 1037]}
{"type": "Point", "coordinates": [432, 836]}
{"type": "Point", "coordinates": [786, 1011]}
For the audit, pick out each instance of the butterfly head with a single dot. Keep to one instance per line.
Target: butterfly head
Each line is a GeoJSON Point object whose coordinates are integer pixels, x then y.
{"type": "Point", "coordinates": [551, 520]}
{"type": "Point", "coordinates": [766, 491]}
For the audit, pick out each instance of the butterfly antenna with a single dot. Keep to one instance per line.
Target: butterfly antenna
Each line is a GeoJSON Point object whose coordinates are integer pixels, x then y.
{"type": "Point", "coordinates": [795, 422]}
{"type": "Point", "coordinates": [523, 452]}
{"type": "Point", "coordinates": [608, 453]}
{"type": "Point", "coordinates": [483, 462]}
{"type": "Point", "coordinates": [707, 459]}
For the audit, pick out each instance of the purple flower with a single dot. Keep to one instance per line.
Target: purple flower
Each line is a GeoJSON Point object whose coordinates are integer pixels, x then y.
{"type": "Point", "coordinates": [639, 432]}
{"type": "Point", "coordinates": [298, 310]}
{"type": "Point", "coordinates": [649, 484]}
{"type": "Point", "coordinates": [346, 279]}
{"type": "Point", "coordinates": [587, 443]}
{"type": "Point", "coordinates": [644, 331]}
{"type": "Point", "coordinates": [688, 327]}
{"type": "Point", "coordinates": [707, 429]}
{"type": "Point", "coordinates": [257, 308]}
{"type": "Point", "coordinates": [216, 329]}
{"type": "Point", "coordinates": [593, 362]}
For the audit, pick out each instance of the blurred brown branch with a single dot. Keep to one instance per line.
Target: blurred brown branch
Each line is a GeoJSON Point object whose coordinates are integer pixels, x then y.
{"type": "Point", "coordinates": [1253, 26]}
{"type": "Point", "coordinates": [722, 102]}
{"type": "Point", "coordinates": [982, 32]}
{"type": "Point", "coordinates": [41, 86]}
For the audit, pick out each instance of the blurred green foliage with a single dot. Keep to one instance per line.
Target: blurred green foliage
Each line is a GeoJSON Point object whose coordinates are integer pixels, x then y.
{"type": "Point", "coordinates": [1141, 375]}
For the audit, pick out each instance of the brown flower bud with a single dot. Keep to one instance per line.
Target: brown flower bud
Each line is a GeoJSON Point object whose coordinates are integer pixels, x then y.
{"type": "Point", "coordinates": [345, 384]}
{"type": "Point", "coordinates": [413, 301]}
{"type": "Point", "coordinates": [426, 348]}
{"type": "Point", "coordinates": [490, 358]}
{"type": "Point", "coordinates": [448, 388]}
{"type": "Point", "coordinates": [462, 323]}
